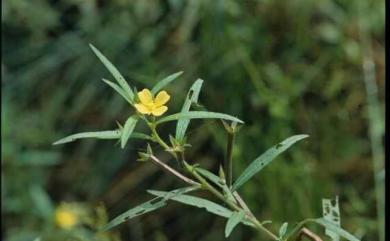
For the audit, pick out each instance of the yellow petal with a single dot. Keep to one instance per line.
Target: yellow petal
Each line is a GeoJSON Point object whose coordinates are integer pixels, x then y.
{"type": "Point", "coordinates": [161, 98]}
{"type": "Point", "coordinates": [142, 109]}
{"type": "Point", "coordinates": [145, 97]}
{"type": "Point", "coordinates": [159, 110]}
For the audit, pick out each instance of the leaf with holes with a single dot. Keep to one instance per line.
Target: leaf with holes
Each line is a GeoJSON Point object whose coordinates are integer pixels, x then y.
{"type": "Point", "coordinates": [335, 229]}
{"type": "Point", "coordinates": [232, 222]}
{"type": "Point", "coordinates": [259, 163]}
{"type": "Point", "coordinates": [192, 97]}
{"type": "Point", "coordinates": [201, 203]}
{"type": "Point", "coordinates": [331, 213]}
{"type": "Point", "coordinates": [114, 71]}
{"type": "Point", "coordinates": [147, 207]}
{"type": "Point", "coordinates": [162, 83]}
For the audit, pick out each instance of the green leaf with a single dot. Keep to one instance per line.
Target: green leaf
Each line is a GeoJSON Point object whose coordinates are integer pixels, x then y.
{"type": "Point", "coordinates": [197, 202]}
{"type": "Point", "coordinates": [211, 176]}
{"type": "Point", "coordinates": [330, 226]}
{"type": "Point", "coordinates": [162, 83]}
{"type": "Point", "coordinates": [198, 115]}
{"type": "Point", "coordinates": [128, 129]}
{"type": "Point", "coordinates": [114, 71]}
{"type": "Point", "coordinates": [232, 222]}
{"type": "Point", "coordinates": [118, 89]}
{"type": "Point", "coordinates": [282, 230]}
{"type": "Point", "coordinates": [147, 207]}
{"type": "Point", "coordinates": [192, 97]}
{"type": "Point", "coordinates": [331, 213]}
{"type": "Point", "coordinates": [115, 134]}
{"type": "Point", "coordinates": [259, 163]}
{"type": "Point", "coordinates": [96, 134]}
{"type": "Point", "coordinates": [218, 181]}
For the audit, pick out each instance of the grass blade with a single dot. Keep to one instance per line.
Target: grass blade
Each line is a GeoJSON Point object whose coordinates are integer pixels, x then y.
{"type": "Point", "coordinates": [259, 163]}
{"type": "Point", "coordinates": [114, 71]}
{"type": "Point", "coordinates": [192, 97]}
{"type": "Point", "coordinates": [198, 115]}
{"type": "Point", "coordinates": [128, 129]}
{"type": "Point", "coordinates": [232, 222]}
{"type": "Point", "coordinates": [162, 83]}
{"type": "Point", "coordinates": [118, 89]}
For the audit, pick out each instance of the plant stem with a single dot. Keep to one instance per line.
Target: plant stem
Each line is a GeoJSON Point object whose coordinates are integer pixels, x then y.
{"type": "Point", "coordinates": [231, 204]}
{"type": "Point", "coordinates": [229, 161]}
{"type": "Point", "coordinates": [173, 171]}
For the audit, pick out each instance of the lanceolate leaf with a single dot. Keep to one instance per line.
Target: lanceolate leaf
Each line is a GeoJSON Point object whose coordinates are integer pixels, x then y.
{"type": "Point", "coordinates": [192, 97]}
{"type": "Point", "coordinates": [96, 134]}
{"type": "Point", "coordinates": [162, 83]}
{"type": "Point", "coordinates": [128, 129]}
{"type": "Point", "coordinates": [211, 176]}
{"type": "Point", "coordinates": [283, 230]}
{"type": "Point", "coordinates": [115, 134]}
{"type": "Point", "coordinates": [146, 207]}
{"type": "Point", "coordinates": [114, 71]}
{"type": "Point", "coordinates": [263, 160]}
{"type": "Point", "coordinates": [118, 89]}
{"type": "Point", "coordinates": [201, 203]}
{"type": "Point", "coordinates": [198, 202]}
{"type": "Point", "coordinates": [198, 115]}
{"type": "Point", "coordinates": [232, 222]}
{"type": "Point", "coordinates": [218, 181]}
{"type": "Point", "coordinates": [330, 226]}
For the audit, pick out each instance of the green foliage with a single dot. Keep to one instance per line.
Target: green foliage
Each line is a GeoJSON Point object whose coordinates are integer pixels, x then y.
{"type": "Point", "coordinates": [128, 129]}
{"type": "Point", "coordinates": [114, 71]}
{"type": "Point", "coordinates": [147, 207]}
{"type": "Point", "coordinates": [198, 115]}
{"type": "Point", "coordinates": [259, 163]}
{"type": "Point", "coordinates": [281, 77]}
{"type": "Point", "coordinates": [232, 222]}
{"type": "Point", "coordinates": [192, 97]}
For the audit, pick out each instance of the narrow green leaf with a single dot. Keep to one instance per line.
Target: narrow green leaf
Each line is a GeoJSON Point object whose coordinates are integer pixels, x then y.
{"type": "Point", "coordinates": [162, 83]}
{"type": "Point", "coordinates": [114, 71]}
{"type": "Point", "coordinates": [218, 181]}
{"type": "Point", "coordinates": [201, 203]}
{"type": "Point", "coordinates": [128, 130]}
{"type": "Point", "coordinates": [211, 176]}
{"type": "Point", "coordinates": [331, 213]}
{"type": "Point", "coordinates": [198, 115]}
{"type": "Point", "coordinates": [118, 89]}
{"type": "Point", "coordinates": [192, 97]}
{"type": "Point", "coordinates": [232, 222]}
{"type": "Point", "coordinates": [146, 207]}
{"type": "Point", "coordinates": [96, 134]}
{"type": "Point", "coordinates": [330, 226]}
{"type": "Point", "coordinates": [283, 230]}
{"type": "Point", "coordinates": [115, 134]}
{"type": "Point", "coordinates": [259, 163]}
{"type": "Point", "coordinates": [197, 202]}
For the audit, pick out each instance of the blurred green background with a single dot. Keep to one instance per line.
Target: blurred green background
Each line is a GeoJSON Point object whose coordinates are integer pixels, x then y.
{"type": "Point", "coordinates": [284, 67]}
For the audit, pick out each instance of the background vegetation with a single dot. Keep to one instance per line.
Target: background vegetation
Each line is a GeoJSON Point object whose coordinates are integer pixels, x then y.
{"type": "Point", "coordinates": [284, 67]}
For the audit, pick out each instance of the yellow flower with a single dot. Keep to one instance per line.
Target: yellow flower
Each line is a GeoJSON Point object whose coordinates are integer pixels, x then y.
{"type": "Point", "coordinates": [150, 105]}
{"type": "Point", "coordinates": [65, 217]}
